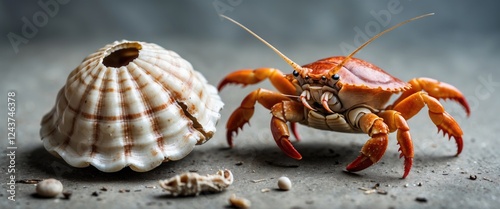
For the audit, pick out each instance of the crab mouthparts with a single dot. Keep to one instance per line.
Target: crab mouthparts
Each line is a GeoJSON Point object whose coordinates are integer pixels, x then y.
{"type": "Point", "coordinates": [322, 97]}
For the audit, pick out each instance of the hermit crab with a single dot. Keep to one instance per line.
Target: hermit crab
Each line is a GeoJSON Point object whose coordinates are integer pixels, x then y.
{"type": "Point", "coordinates": [344, 94]}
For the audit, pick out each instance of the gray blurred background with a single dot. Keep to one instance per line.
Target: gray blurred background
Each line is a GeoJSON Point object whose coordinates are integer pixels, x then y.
{"type": "Point", "coordinates": [188, 27]}
{"type": "Point", "coordinates": [460, 45]}
{"type": "Point", "coordinates": [280, 21]}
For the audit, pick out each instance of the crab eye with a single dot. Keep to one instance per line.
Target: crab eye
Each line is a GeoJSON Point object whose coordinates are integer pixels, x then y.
{"type": "Point", "coordinates": [323, 78]}
{"type": "Point", "coordinates": [335, 76]}
{"type": "Point", "coordinates": [307, 77]}
{"type": "Point", "coordinates": [295, 73]}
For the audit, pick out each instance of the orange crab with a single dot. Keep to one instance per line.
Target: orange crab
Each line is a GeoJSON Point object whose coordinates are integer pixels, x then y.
{"type": "Point", "coordinates": [345, 94]}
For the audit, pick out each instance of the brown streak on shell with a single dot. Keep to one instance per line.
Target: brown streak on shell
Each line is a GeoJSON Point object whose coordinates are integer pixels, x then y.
{"type": "Point", "coordinates": [122, 117]}
{"type": "Point", "coordinates": [95, 131]}
{"type": "Point", "coordinates": [149, 111]}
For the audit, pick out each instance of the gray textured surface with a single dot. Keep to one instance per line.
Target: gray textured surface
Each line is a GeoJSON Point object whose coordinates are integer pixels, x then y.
{"type": "Point", "coordinates": [458, 45]}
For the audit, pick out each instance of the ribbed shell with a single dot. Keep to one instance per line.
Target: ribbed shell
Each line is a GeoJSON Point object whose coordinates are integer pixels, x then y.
{"type": "Point", "coordinates": [156, 108]}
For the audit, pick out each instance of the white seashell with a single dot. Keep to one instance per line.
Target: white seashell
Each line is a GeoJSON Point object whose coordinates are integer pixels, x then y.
{"type": "Point", "coordinates": [49, 188]}
{"type": "Point", "coordinates": [189, 183]}
{"type": "Point", "coordinates": [131, 104]}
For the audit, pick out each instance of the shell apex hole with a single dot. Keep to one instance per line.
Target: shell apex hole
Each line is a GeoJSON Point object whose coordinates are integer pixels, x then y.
{"type": "Point", "coordinates": [122, 55]}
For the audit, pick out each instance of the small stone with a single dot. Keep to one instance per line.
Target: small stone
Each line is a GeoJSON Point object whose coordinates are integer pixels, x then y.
{"type": "Point", "coordinates": [29, 181]}
{"type": "Point", "coordinates": [265, 190]}
{"type": "Point", "coordinates": [239, 202]}
{"type": "Point", "coordinates": [284, 183]}
{"type": "Point", "coordinates": [472, 177]}
{"type": "Point", "coordinates": [487, 179]}
{"type": "Point", "coordinates": [49, 188]}
{"type": "Point", "coordinates": [258, 180]}
{"type": "Point", "coordinates": [421, 199]}
{"type": "Point", "coordinates": [382, 192]}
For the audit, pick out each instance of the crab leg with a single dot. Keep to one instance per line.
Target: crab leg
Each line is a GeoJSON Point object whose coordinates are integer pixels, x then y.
{"type": "Point", "coordinates": [282, 112]}
{"type": "Point", "coordinates": [436, 89]}
{"type": "Point", "coordinates": [247, 76]}
{"type": "Point", "coordinates": [411, 105]}
{"type": "Point", "coordinates": [375, 147]}
{"type": "Point", "coordinates": [395, 121]}
{"type": "Point", "coordinates": [245, 111]}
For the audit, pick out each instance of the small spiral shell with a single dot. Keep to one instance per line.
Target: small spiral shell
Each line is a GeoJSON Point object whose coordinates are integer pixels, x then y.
{"type": "Point", "coordinates": [188, 184]}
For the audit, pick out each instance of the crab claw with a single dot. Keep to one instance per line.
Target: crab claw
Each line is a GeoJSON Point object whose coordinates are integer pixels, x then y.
{"type": "Point", "coordinates": [245, 111]}
{"type": "Point", "coordinates": [238, 118]}
{"type": "Point", "coordinates": [448, 125]}
{"type": "Point", "coordinates": [360, 163]}
{"type": "Point", "coordinates": [375, 147]}
{"type": "Point", "coordinates": [243, 77]}
{"type": "Point", "coordinates": [281, 134]}
{"type": "Point", "coordinates": [283, 112]}
{"type": "Point", "coordinates": [371, 153]}
{"type": "Point", "coordinates": [442, 119]}
{"type": "Point", "coordinates": [436, 89]}
{"type": "Point", "coordinates": [247, 77]}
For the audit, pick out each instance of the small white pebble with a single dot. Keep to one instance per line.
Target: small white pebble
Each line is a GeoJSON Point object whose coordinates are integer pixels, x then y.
{"type": "Point", "coordinates": [284, 183]}
{"type": "Point", "coordinates": [239, 202]}
{"type": "Point", "coordinates": [49, 188]}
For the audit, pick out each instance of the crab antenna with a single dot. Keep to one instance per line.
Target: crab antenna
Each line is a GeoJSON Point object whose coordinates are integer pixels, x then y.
{"type": "Point", "coordinates": [295, 66]}
{"type": "Point", "coordinates": [373, 38]}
